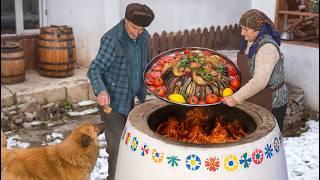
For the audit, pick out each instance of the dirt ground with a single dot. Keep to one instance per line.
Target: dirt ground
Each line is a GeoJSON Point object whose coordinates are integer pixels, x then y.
{"type": "Point", "coordinates": [37, 136]}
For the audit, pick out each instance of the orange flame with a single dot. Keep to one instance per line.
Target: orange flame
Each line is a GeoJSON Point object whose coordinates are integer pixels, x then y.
{"type": "Point", "coordinates": [196, 127]}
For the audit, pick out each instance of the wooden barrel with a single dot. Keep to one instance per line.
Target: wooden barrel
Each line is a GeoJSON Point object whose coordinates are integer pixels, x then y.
{"type": "Point", "coordinates": [13, 66]}
{"type": "Point", "coordinates": [56, 51]}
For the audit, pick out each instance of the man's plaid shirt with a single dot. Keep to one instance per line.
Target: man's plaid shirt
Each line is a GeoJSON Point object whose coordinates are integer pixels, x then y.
{"type": "Point", "coordinates": [110, 71]}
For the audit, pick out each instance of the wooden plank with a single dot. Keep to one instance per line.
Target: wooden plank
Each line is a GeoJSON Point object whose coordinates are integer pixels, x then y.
{"type": "Point", "coordinates": [217, 39]}
{"type": "Point", "coordinates": [30, 49]}
{"type": "Point", "coordinates": [229, 38]}
{"type": "Point", "coordinates": [198, 38]}
{"type": "Point", "coordinates": [185, 38]}
{"type": "Point", "coordinates": [155, 45]}
{"type": "Point", "coordinates": [192, 38]}
{"type": "Point", "coordinates": [236, 35]}
{"type": "Point", "coordinates": [298, 13]}
{"type": "Point", "coordinates": [178, 40]}
{"type": "Point", "coordinates": [224, 38]}
{"type": "Point", "coordinates": [211, 37]}
{"type": "Point", "coordinates": [163, 41]}
{"type": "Point", "coordinates": [205, 38]}
{"type": "Point", "coordinates": [150, 46]}
{"type": "Point", "coordinates": [279, 19]}
{"type": "Point", "coordinates": [171, 40]}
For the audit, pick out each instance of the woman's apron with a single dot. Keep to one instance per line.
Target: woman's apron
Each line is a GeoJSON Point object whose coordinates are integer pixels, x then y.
{"type": "Point", "coordinates": [262, 98]}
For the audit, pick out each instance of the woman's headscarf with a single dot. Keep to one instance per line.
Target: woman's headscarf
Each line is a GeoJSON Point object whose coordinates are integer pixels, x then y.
{"type": "Point", "coordinates": [258, 21]}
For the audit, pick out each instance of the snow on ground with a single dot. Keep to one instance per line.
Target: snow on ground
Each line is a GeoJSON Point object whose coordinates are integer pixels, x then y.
{"type": "Point", "coordinates": [302, 154]}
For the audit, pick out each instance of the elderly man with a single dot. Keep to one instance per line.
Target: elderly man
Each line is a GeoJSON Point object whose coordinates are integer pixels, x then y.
{"type": "Point", "coordinates": [116, 74]}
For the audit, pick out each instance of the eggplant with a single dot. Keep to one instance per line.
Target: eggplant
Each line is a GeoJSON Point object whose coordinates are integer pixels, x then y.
{"type": "Point", "coordinates": [208, 90]}
{"type": "Point", "coordinates": [185, 85]}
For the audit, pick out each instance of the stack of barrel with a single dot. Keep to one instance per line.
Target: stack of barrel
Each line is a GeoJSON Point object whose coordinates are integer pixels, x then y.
{"type": "Point", "coordinates": [56, 51]}
{"type": "Point", "coordinates": [13, 65]}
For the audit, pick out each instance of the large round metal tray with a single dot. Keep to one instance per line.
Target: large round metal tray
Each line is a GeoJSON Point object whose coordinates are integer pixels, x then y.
{"type": "Point", "coordinates": [172, 52]}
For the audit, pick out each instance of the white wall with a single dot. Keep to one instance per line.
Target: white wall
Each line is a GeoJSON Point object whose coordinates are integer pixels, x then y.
{"type": "Point", "coordinates": [175, 15]}
{"type": "Point", "coordinates": [302, 69]}
{"type": "Point", "coordinates": [266, 6]}
{"type": "Point", "coordinates": [87, 18]}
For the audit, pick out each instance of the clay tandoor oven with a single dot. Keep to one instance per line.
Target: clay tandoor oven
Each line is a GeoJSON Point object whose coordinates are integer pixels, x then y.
{"type": "Point", "coordinates": [147, 155]}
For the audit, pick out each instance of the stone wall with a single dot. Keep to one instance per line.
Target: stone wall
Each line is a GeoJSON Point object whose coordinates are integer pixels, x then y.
{"type": "Point", "coordinates": [295, 108]}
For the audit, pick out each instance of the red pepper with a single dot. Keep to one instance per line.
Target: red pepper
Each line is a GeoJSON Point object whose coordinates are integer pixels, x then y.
{"type": "Point", "coordinates": [160, 91]}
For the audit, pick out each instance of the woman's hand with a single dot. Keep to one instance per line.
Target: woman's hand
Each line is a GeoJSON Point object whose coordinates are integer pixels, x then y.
{"type": "Point", "coordinates": [230, 101]}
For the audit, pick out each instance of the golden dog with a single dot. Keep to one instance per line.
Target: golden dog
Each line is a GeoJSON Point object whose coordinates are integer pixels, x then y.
{"type": "Point", "coordinates": [72, 159]}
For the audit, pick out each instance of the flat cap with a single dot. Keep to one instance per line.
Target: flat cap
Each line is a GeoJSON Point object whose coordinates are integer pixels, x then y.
{"type": "Point", "coordinates": [139, 14]}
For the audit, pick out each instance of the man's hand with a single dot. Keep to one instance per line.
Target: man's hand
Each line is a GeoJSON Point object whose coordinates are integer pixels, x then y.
{"type": "Point", "coordinates": [230, 101]}
{"type": "Point", "coordinates": [104, 101]}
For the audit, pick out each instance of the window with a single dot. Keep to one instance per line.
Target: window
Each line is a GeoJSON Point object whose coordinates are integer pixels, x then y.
{"type": "Point", "coordinates": [20, 17]}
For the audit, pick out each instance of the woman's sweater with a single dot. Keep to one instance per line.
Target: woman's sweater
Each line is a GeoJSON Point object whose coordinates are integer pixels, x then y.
{"type": "Point", "coordinates": [265, 61]}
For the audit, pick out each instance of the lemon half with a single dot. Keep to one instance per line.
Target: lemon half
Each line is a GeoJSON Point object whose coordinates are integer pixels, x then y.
{"type": "Point", "coordinates": [177, 98]}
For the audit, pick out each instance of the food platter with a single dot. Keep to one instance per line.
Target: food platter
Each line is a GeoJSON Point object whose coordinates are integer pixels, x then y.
{"type": "Point", "coordinates": [191, 76]}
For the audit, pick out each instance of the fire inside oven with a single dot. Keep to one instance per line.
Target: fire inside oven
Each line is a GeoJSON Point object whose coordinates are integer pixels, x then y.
{"type": "Point", "coordinates": [201, 125]}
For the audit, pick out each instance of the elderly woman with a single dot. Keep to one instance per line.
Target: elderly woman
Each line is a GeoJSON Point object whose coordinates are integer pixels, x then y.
{"type": "Point", "coordinates": [261, 65]}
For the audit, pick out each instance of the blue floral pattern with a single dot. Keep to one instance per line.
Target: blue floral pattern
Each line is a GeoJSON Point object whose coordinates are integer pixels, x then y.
{"type": "Point", "coordinates": [193, 162]}
{"type": "Point", "coordinates": [268, 151]}
{"type": "Point", "coordinates": [276, 144]}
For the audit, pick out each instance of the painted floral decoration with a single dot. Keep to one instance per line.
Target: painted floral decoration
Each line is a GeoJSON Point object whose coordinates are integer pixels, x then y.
{"type": "Point", "coordinates": [173, 161]}
{"type": "Point", "coordinates": [276, 144]}
{"type": "Point", "coordinates": [231, 163]}
{"type": "Point", "coordinates": [268, 151]}
{"type": "Point", "coordinates": [128, 138]}
{"type": "Point", "coordinates": [134, 144]}
{"type": "Point", "coordinates": [212, 164]}
{"type": "Point", "coordinates": [245, 160]}
{"type": "Point", "coordinates": [156, 156]}
{"type": "Point", "coordinates": [257, 156]}
{"type": "Point", "coordinates": [145, 150]}
{"type": "Point", "coordinates": [193, 162]}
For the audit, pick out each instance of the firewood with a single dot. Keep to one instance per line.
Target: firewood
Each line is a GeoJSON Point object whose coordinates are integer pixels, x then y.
{"type": "Point", "coordinates": [299, 33]}
{"type": "Point", "coordinates": [308, 38]}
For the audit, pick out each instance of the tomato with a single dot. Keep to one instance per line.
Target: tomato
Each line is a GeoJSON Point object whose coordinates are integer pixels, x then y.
{"type": "Point", "coordinates": [232, 70]}
{"type": "Point", "coordinates": [193, 100]}
{"type": "Point", "coordinates": [148, 75]}
{"type": "Point", "coordinates": [158, 82]}
{"type": "Point", "coordinates": [235, 84]}
{"type": "Point", "coordinates": [221, 99]}
{"type": "Point", "coordinates": [157, 68]}
{"type": "Point", "coordinates": [149, 82]}
{"type": "Point", "coordinates": [160, 91]}
{"type": "Point", "coordinates": [234, 77]}
{"type": "Point", "coordinates": [207, 53]}
{"type": "Point", "coordinates": [154, 74]}
{"type": "Point", "coordinates": [161, 61]}
{"type": "Point", "coordinates": [186, 51]}
{"type": "Point", "coordinates": [167, 59]}
{"type": "Point", "coordinates": [212, 98]}
{"type": "Point", "coordinates": [151, 88]}
{"type": "Point", "coordinates": [202, 102]}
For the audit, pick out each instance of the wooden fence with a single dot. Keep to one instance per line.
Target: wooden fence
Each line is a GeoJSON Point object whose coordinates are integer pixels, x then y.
{"type": "Point", "coordinates": [226, 38]}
